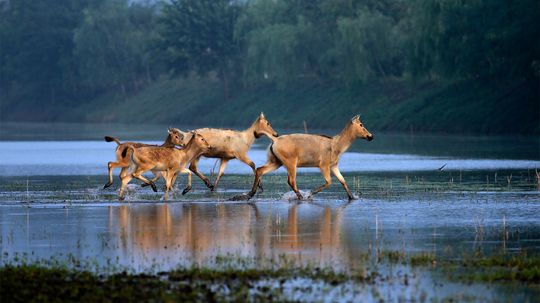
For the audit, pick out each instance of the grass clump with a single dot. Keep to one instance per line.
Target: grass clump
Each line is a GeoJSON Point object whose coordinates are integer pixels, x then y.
{"type": "Point", "coordinates": [423, 259]}
{"type": "Point", "coordinates": [518, 268]}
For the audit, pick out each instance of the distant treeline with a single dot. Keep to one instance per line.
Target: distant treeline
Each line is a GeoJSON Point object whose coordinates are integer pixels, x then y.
{"type": "Point", "coordinates": [57, 55]}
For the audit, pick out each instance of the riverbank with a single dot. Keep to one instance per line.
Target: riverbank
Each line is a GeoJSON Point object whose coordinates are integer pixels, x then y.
{"type": "Point", "coordinates": [480, 106]}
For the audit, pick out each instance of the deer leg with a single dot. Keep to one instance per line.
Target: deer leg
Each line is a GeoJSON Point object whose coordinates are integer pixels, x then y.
{"type": "Point", "coordinates": [157, 174]}
{"type": "Point", "coordinates": [291, 170]}
{"type": "Point", "coordinates": [222, 166]}
{"type": "Point", "coordinates": [125, 178]}
{"type": "Point", "coordinates": [325, 171]}
{"type": "Point", "coordinates": [188, 187]}
{"type": "Point", "coordinates": [169, 180]}
{"type": "Point", "coordinates": [263, 170]}
{"type": "Point", "coordinates": [138, 175]}
{"type": "Point", "coordinates": [173, 180]}
{"type": "Point", "coordinates": [193, 168]}
{"type": "Point", "coordinates": [337, 173]}
{"type": "Point", "coordinates": [245, 159]}
{"type": "Point", "coordinates": [110, 166]}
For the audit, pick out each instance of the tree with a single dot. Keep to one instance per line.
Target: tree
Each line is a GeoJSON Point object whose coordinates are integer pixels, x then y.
{"type": "Point", "coordinates": [36, 49]}
{"type": "Point", "coordinates": [469, 39]}
{"type": "Point", "coordinates": [367, 48]}
{"type": "Point", "coordinates": [111, 46]}
{"type": "Point", "coordinates": [198, 35]}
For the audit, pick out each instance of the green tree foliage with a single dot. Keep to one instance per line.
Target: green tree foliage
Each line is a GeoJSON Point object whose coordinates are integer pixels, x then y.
{"type": "Point", "coordinates": [111, 46]}
{"type": "Point", "coordinates": [469, 39]}
{"type": "Point", "coordinates": [64, 52]}
{"type": "Point", "coordinates": [36, 40]}
{"type": "Point", "coordinates": [198, 35]}
{"type": "Point", "coordinates": [367, 48]}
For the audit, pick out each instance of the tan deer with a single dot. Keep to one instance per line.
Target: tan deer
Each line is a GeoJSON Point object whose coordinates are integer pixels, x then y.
{"type": "Point", "coordinates": [168, 160]}
{"type": "Point", "coordinates": [303, 150]}
{"type": "Point", "coordinates": [231, 144]}
{"type": "Point", "coordinates": [174, 137]}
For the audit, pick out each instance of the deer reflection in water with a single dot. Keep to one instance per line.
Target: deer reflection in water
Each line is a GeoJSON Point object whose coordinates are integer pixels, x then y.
{"type": "Point", "coordinates": [175, 234]}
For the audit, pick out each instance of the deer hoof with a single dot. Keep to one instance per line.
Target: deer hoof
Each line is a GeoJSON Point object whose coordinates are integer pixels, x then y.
{"type": "Point", "coordinates": [186, 190]}
{"type": "Point", "coordinates": [107, 185]}
{"type": "Point", "coordinates": [121, 198]}
{"type": "Point", "coordinates": [145, 185]}
{"type": "Point", "coordinates": [154, 188]}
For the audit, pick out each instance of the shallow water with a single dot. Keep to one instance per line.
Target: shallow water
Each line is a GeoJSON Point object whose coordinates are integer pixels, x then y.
{"type": "Point", "coordinates": [31, 158]}
{"type": "Point", "coordinates": [486, 200]}
{"type": "Point", "coordinates": [142, 236]}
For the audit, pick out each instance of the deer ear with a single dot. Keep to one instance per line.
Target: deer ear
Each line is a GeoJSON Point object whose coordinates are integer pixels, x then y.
{"type": "Point", "coordinates": [169, 130]}
{"type": "Point", "coordinates": [262, 115]}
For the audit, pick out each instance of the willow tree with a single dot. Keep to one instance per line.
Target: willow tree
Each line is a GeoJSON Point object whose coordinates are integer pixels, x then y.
{"type": "Point", "coordinates": [111, 46]}
{"type": "Point", "coordinates": [198, 35]}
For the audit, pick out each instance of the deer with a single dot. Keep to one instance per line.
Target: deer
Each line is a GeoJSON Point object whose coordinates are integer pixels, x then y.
{"type": "Point", "coordinates": [175, 137]}
{"type": "Point", "coordinates": [231, 144]}
{"type": "Point", "coordinates": [169, 161]}
{"type": "Point", "coordinates": [309, 150]}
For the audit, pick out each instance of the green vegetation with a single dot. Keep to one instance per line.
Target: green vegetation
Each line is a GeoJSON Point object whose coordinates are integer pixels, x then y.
{"type": "Point", "coordinates": [423, 259]}
{"type": "Point", "coordinates": [445, 66]}
{"type": "Point", "coordinates": [237, 283]}
{"type": "Point", "coordinates": [477, 106]}
{"type": "Point", "coordinates": [520, 268]}
{"type": "Point", "coordinates": [194, 284]}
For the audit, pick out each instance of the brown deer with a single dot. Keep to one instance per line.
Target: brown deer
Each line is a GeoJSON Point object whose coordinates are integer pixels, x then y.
{"type": "Point", "coordinates": [303, 150]}
{"type": "Point", "coordinates": [175, 137]}
{"type": "Point", "coordinates": [168, 160]}
{"type": "Point", "coordinates": [231, 144]}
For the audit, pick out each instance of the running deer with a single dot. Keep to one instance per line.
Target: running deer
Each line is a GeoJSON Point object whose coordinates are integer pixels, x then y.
{"type": "Point", "coordinates": [230, 144]}
{"type": "Point", "coordinates": [175, 137]}
{"type": "Point", "coordinates": [169, 161]}
{"type": "Point", "coordinates": [303, 150]}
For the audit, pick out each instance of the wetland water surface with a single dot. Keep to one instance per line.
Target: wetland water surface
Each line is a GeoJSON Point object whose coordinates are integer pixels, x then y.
{"type": "Point", "coordinates": [479, 204]}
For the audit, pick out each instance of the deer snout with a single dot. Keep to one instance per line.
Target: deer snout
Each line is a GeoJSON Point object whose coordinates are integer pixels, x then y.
{"type": "Point", "coordinates": [369, 137]}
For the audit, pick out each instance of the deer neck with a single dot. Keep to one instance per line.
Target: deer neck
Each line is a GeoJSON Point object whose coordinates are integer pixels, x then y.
{"type": "Point", "coordinates": [189, 152]}
{"type": "Point", "coordinates": [249, 134]}
{"type": "Point", "coordinates": [342, 141]}
{"type": "Point", "coordinates": [168, 142]}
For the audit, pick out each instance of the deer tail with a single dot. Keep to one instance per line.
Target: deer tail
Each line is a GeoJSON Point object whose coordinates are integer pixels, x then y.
{"type": "Point", "coordinates": [111, 139]}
